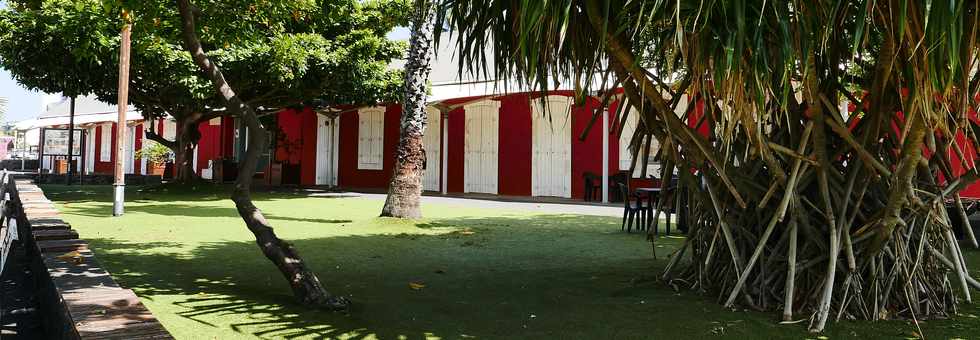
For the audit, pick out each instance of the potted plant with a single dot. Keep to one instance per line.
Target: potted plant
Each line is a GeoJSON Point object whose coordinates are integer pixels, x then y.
{"type": "Point", "coordinates": [156, 156]}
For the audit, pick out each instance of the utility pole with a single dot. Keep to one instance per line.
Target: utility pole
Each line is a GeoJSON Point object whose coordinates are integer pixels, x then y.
{"type": "Point", "coordinates": [71, 139]}
{"type": "Point", "coordinates": [120, 180]}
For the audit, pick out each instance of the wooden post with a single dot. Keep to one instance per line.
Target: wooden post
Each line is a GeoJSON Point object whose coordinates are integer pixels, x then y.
{"type": "Point", "coordinates": [120, 176]}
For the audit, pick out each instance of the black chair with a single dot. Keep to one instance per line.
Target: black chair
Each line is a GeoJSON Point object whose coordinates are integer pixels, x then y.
{"type": "Point", "coordinates": [666, 203]}
{"type": "Point", "coordinates": [633, 209]}
{"type": "Point", "coordinates": [615, 181]}
{"type": "Point", "coordinates": [592, 188]}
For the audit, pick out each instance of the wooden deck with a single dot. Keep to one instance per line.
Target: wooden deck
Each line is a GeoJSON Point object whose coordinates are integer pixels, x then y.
{"type": "Point", "coordinates": [97, 306]}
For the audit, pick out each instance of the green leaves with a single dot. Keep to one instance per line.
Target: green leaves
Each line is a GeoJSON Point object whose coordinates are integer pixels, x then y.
{"type": "Point", "coordinates": [300, 49]}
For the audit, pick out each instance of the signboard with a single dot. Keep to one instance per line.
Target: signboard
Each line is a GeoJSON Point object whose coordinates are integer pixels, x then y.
{"type": "Point", "coordinates": [56, 142]}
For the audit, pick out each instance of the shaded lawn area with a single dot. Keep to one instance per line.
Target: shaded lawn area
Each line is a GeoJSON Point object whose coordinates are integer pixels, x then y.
{"type": "Point", "coordinates": [486, 273]}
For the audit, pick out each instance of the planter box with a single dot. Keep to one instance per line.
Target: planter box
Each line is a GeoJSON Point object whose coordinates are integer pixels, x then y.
{"type": "Point", "coordinates": [156, 169]}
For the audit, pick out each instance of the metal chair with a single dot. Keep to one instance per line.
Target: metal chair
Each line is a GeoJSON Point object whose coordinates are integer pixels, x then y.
{"type": "Point", "coordinates": [633, 209]}
{"type": "Point", "coordinates": [614, 181]}
{"type": "Point", "coordinates": [666, 203]}
{"type": "Point", "coordinates": [592, 188]}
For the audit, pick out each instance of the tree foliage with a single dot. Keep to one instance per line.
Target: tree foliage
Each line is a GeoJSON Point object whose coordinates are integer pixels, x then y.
{"type": "Point", "coordinates": [281, 52]}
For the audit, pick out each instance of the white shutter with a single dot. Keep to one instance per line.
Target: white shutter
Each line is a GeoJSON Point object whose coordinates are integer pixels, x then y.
{"type": "Point", "coordinates": [169, 129]}
{"type": "Point", "coordinates": [379, 133]}
{"type": "Point", "coordinates": [551, 144]}
{"type": "Point", "coordinates": [105, 151]}
{"type": "Point", "coordinates": [90, 150]}
{"type": "Point", "coordinates": [480, 147]}
{"type": "Point", "coordinates": [370, 138]}
{"type": "Point", "coordinates": [494, 129]}
{"type": "Point", "coordinates": [626, 156]}
{"type": "Point", "coordinates": [431, 142]}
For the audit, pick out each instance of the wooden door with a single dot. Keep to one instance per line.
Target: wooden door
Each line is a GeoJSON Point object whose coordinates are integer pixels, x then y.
{"type": "Point", "coordinates": [324, 151]}
{"type": "Point", "coordinates": [480, 147]}
{"type": "Point", "coordinates": [432, 141]}
{"type": "Point", "coordinates": [551, 165]}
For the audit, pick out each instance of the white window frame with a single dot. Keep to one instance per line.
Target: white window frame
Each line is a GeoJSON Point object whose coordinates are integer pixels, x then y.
{"type": "Point", "coordinates": [105, 151]}
{"type": "Point", "coordinates": [626, 156]}
{"type": "Point", "coordinates": [370, 138]}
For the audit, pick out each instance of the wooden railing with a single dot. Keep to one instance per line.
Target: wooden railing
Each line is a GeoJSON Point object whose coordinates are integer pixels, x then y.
{"type": "Point", "coordinates": [78, 299]}
{"type": "Point", "coordinates": [9, 212]}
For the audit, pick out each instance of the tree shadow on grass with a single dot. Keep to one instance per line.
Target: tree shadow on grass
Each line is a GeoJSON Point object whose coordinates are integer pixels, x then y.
{"type": "Point", "coordinates": [186, 210]}
{"type": "Point", "coordinates": [540, 276]}
{"type": "Point", "coordinates": [482, 277]}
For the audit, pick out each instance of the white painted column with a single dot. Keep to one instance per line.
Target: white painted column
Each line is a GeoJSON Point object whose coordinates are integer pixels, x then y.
{"type": "Point", "coordinates": [444, 165]}
{"type": "Point", "coordinates": [605, 156]}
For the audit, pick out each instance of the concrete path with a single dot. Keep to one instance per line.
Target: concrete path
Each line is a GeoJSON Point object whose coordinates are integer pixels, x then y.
{"type": "Point", "coordinates": [505, 203]}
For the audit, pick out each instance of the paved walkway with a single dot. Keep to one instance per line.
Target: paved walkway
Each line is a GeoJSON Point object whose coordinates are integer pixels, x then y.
{"type": "Point", "coordinates": [551, 206]}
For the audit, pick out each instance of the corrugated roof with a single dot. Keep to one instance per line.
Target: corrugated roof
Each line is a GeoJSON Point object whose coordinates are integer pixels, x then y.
{"type": "Point", "coordinates": [87, 105]}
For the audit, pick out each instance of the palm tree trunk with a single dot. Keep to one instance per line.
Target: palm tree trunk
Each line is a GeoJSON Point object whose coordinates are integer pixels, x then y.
{"type": "Point", "coordinates": [405, 189]}
{"type": "Point", "coordinates": [304, 283]}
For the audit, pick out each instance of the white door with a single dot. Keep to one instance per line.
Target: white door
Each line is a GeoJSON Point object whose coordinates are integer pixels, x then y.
{"type": "Point", "coordinates": [130, 149]}
{"type": "Point", "coordinates": [432, 141]}
{"type": "Point", "coordinates": [551, 149]}
{"type": "Point", "coordinates": [90, 150]}
{"type": "Point", "coordinates": [480, 147]}
{"type": "Point", "coordinates": [324, 151]}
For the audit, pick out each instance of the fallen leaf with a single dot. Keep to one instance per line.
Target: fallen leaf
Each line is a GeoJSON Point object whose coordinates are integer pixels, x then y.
{"type": "Point", "coordinates": [73, 257]}
{"type": "Point", "coordinates": [416, 285]}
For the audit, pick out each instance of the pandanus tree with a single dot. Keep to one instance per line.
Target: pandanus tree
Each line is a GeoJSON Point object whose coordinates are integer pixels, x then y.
{"type": "Point", "coordinates": [795, 203]}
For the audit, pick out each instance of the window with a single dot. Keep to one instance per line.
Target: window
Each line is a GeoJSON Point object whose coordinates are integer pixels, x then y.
{"type": "Point", "coordinates": [626, 155]}
{"type": "Point", "coordinates": [105, 151]}
{"type": "Point", "coordinates": [370, 138]}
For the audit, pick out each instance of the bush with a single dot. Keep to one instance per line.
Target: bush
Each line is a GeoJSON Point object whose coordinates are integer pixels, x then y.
{"type": "Point", "coordinates": [155, 152]}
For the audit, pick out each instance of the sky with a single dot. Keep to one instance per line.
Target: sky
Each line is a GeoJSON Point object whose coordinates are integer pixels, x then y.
{"type": "Point", "coordinates": [23, 104]}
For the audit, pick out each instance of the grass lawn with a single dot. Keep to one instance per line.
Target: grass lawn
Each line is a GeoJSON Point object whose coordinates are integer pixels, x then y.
{"type": "Point", "coordinates": [486, 273]}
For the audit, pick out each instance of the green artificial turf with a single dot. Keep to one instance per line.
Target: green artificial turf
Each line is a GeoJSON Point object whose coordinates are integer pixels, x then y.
{"type": "Point", "coordinates": [482, 273]}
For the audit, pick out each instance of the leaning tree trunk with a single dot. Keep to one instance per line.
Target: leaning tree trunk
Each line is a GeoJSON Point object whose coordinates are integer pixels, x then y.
{"type": "Point", "coordinates": [186, 137]}
{"type": "Point", "coordinates": [405, 189]}
{"type": "Point", "coordinates": [304, 283]}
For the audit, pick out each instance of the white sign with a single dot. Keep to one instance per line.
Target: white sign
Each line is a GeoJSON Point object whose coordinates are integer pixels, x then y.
{"type": "Point", "coordinates": [56, 143]}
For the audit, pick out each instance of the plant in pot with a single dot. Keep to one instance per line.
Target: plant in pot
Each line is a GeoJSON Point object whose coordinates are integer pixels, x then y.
{"type": "Point", "coordinates": [156, 156]}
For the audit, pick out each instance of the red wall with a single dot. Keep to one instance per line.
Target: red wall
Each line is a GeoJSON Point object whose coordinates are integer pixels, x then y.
{"type": "Point", "coordinates": [514, 148]}
{"type": "Point", "coordinates": [456, 137]}
{"type": "Point", "coordinates": [515, 143]}
{"type": "Point", "coordinates": [138, 141]}
{"type": "Point", "coordinates": [348, 174]}
{"type": "Point", "coordinates": [100, 132]}
{"type": "Point", "coordinates": [587, 154]}
{"type": "Point", "coordinates": [308, 173]}
{"type": "Point", "coordinates": [228, 134]}
{"type": "Point", "coordinates": [209, 146]}
{"type": "Point", "coordinates": [297, 145]}
{"type": "Point", "coordinates": [107, 167]}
